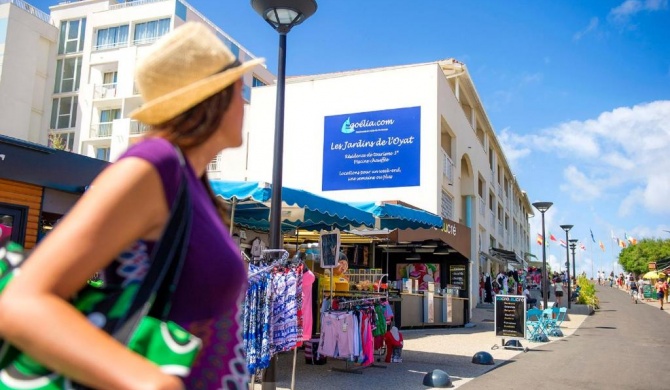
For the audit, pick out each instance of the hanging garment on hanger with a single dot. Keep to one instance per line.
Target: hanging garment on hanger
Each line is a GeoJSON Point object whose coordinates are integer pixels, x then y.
{"type": "Point", "coordinates": [287, 295]}
{"type": "Point", "coordinates": [308, 279]}
{"type": "Point", "coordinates": [257, 316]}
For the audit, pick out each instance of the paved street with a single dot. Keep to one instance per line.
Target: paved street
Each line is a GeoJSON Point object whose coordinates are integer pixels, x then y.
{"type": "Point", "coordinates": [621, 346]}
{"type": "Point", "coordinates": [447, 349]}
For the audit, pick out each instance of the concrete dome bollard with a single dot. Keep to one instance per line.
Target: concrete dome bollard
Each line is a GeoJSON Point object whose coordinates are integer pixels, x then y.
{"type": "Point", "coordinates": [484, 358]}
{"type": "Point", "coordinates": [437, 378]}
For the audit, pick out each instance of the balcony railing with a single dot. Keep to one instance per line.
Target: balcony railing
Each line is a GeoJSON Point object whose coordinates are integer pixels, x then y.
{"type": "Point", "coordinates": [105, 91]}
{"type": "Point", "coordinates": [447, 167]}
{"type": "Point", "coordinates": [41, 15]}
{"type": "Point", "coordinates": [215, 164]}
{"type": "Point", "coordinates": [113, 45]}
{"type": "Point", "coordinates": [101, 130]}
{"type": "Point", "coordinates": [126, 4]}
{"type": "Point", "coordinates": [138, 128]}
{"type": "Point", "coordinates": [146, 41]}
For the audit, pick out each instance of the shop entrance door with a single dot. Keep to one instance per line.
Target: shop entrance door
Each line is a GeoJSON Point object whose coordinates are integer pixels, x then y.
{"type": "Point", "coordinates": [13, 219]}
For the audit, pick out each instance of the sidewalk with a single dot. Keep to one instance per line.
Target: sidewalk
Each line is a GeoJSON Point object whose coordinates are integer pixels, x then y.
{"type": "Point", "coordinates": [651, 302]}
{"type": "Point", "coordinates": [447, 349]}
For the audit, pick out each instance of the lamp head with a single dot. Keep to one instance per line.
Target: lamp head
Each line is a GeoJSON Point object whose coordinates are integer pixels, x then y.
{"type": "Point", "coordinates": [282, 15]}
{"type": "Point", "coordinates": [566, 227]}
{"type": "Point", "coordinates": [542, 206]}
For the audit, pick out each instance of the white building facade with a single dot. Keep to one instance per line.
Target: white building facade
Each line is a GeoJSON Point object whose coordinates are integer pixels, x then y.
{"type": "Point", "coordinates": [27, 43]}
{"type": "Point", "coordinates": [415, 133]}
{"type": "Point", "coordinates": [99, 44]}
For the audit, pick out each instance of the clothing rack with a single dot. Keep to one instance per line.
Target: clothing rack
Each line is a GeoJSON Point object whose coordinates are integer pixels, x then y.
{"type": "Point", "coordinates": [282, 260]}
{"type": "Point", "coordinates": [370, 297]}
{"type": "Point", "coordinates": [363, 300]}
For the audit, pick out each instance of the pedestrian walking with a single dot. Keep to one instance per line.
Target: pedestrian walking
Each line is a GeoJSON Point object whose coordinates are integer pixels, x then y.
{"type": "Point", "coordinates": [633, 289]}
{"type": "Point", "coordinates": [558, 290]}
{"type": "Point", "coordinates": [660, 291]}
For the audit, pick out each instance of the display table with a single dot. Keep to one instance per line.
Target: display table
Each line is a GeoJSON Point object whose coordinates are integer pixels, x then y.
{"type": "Point", "coordinates": [410, 312]}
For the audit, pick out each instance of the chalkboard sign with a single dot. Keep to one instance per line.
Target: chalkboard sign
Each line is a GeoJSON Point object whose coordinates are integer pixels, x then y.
{"type": "Point", "coordinates": [457, 276]}
{"type": "Point", "coordinates": [648, 291]}
{"type": "Point", "coordinates": [510, 316]}
{"type": "Point", "coordinates": [330, 248]}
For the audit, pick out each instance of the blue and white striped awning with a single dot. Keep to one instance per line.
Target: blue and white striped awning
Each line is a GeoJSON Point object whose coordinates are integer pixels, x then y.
{"type": "Point", "coordinates": [300, 209]}
{"type": "Point", "coordinates": [395, 216]}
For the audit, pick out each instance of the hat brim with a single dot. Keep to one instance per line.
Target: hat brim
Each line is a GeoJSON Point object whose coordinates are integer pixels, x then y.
{"type": "Point", "coordinates": [168, 106]}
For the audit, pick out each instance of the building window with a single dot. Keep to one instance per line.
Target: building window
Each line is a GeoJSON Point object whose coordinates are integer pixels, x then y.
{"type": "Point", "coordinates": [180, 10]}
{"type": "Point", "coordinates": [109, 78]}
{"type": "Point", "coordinates": [150, 31]}
{"type": "Point", "coordinates": [64, 112]}
{"type": "Point", "coordinates": [107, 118]}
{"type": "Point", "coordinates": [71, 39]}
{"type": "Point", "coordinates": [68, 72]}
{"type": "Point", "coordinates": [256, 82]}
{"type": "Point", "coordinates": [234, 49]}
{"type": "Point", "coordinates": [62, 140]}
{"type": "Point", "coordinates": [102, 154]}
{"type": "Point", "coordinates": [112, 37]}
{"type": "Point", "coordinates": [246, 93]}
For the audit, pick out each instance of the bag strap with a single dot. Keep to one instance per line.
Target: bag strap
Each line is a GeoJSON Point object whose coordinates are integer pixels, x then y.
{"type": "Point", "coordinates": [166, 261]}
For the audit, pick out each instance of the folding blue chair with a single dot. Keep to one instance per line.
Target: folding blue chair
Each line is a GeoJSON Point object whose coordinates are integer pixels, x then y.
{"type": "Point", "coordinates": [551, 316]}
{"type": "Point", "coordinates": [561, 316]}
{"type": "Point", "coordinates": [535, 326]}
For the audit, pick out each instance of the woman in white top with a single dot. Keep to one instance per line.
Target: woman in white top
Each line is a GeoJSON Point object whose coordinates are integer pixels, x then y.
{"type": "Point", "coordinates": [558, 290]}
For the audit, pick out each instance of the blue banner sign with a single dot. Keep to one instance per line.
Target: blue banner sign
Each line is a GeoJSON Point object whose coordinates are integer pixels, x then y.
{"type": "Point", "coordinates": [376, 149]}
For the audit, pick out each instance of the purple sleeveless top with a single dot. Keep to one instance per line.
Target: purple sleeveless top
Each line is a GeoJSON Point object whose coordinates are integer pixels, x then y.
{"type": "Point", "coordinates": [213, 281]}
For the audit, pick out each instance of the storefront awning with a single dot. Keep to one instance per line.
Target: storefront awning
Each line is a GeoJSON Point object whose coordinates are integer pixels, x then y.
{"type": "Point", "coordinates": [460, 243]}
{"type": "Point", "coordinates": [493, 259]}
{"type": "Point", "coordinates": [250, 203]}
{"type": "Point", "coordinates": [39, 165]}
{"type": "Point", "coordinates": [509, 257]}
{"type": "Point", "coordinates": [397, 216]}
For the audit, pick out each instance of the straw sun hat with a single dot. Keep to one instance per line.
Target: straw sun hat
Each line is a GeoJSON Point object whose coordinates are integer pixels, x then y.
{"type": "Point", "coordinates": [184, 67]}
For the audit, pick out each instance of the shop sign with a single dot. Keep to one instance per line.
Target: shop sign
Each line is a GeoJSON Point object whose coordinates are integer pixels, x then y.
{"type": "Point", "coordinates": [449, 228]}
{"type": "Point", "coordinates": [652, 266]}
{"type": "Point", "coordinates": [510, 316]}
{"type": "Point", "coordinates": [376, 149]}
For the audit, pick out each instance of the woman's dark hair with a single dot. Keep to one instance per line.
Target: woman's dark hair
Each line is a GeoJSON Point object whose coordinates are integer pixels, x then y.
{"type": "Point", "coordinates": [194, 127]}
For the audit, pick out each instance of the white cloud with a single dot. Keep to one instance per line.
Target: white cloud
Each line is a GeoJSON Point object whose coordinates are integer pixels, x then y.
{"type": "Point", "coordinates": [593, 25]}
{"type": "Point", "coordinates": [624, 150]}
{"type": "Point", "coordinates": [629, 8]}
{"type": "Point", "coordinates": [578, 185]}
{"type": "Point", "coordinates": [512, 146]}
{"type": "Point", "coordinates": [657, 193]}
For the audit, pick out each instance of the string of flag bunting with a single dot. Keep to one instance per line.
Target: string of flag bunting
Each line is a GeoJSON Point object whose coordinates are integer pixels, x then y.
{"type": "Point", "coordinates": [628, 240]}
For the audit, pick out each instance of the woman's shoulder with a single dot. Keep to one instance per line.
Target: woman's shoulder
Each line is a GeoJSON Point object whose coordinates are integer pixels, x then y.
{"type": "Point", "coordinates": [156, 150]}
{"type": "Point", "coordinates": [162, 155]}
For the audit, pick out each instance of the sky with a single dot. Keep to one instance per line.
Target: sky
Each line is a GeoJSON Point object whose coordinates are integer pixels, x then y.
{"type": "Point", "coordinates": [578, 93]}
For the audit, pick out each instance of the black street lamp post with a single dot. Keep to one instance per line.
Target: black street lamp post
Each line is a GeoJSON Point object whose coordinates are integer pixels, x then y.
{"type": "Point", "coordinates": [567, 258]}
{"type": "Point", "coordinates": [282, 15]}
{"type": "Point", "coordinates": [573, 246]}
{"type": "Point", "coordinates": [542, 207]}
